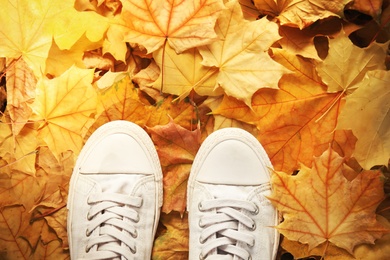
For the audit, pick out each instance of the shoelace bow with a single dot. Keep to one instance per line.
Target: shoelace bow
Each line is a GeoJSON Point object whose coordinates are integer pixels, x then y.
{"type": "Point", "coordinates": [224, 225]}
{"type": "Point", "coordinates": [114, 239]}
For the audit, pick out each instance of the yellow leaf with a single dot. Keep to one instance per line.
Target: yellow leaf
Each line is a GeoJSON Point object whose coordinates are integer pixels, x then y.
{"type": "Point", "coordinates": [366, 113]}
{"type": "Point", "coordinates": [319, 205]}
{"type": "Point", "coordinates": [35, 23]}
{"type": "Point", "coordinates": [58, 61]}
{"type": "Point", "coordinates": [63, 107]}
{"type": "Point", "coordinates": [181, 73]}
{"type": "Point", "coordinates": [183, 24]}
{"type": "Point", "coordinates": [18, 151]}
{"type": "Point", "coordinates": [241, 55]}
{"type": "Point", "coordinates": [301, 13]}
{"type": "Point", "coordinates": [346, 64]}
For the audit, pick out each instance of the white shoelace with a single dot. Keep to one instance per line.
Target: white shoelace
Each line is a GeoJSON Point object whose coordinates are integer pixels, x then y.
{"type": "Point", "coordinates": [224, 225]}
{"type": "Point", "coordinates": [116, 237]}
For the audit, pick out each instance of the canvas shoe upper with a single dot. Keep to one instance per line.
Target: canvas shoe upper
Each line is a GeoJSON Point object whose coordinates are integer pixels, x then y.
{"type": "Point", "coordinates": [229, 214]}
{"type": "Point", "coordinates": [115, 195]}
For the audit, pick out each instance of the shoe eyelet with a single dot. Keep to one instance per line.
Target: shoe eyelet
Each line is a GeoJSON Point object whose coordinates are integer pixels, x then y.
{"type": "Point", "coordinates": [133, 250]}
{"type": "Point", "coordinates": [253, 227]}
{"type": "Point", "coordinates": [201, 224]}
{"type": "Point", "coordinates": [201, 240]}
{"type": "Point", "coordinates": [87, 232]}
{"type": "Point", "coordinates": [200, 206]}
{"type": "Point", "coordinates": [201, 257]}
{"type": "Point", "coordinates": [137, 219]}
{"type": "Point", "coordinates": [256, 211]}
{"type": "Point", "coordinates": [135, 234]}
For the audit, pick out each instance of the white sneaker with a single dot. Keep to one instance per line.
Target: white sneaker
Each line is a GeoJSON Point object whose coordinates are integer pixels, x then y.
{"type": "Point", "coordinates": [229, 215]}
{"type": "Point", "coordinates": [115, 195]}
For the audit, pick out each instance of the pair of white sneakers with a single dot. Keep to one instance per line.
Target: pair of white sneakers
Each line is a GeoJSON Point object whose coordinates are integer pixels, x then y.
{"type": "Point", "coordinates": [115, 196]}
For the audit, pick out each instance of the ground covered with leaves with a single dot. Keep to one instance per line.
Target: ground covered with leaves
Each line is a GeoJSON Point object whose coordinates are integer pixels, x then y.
{"type": "Point", "coordinates": [309, 79]}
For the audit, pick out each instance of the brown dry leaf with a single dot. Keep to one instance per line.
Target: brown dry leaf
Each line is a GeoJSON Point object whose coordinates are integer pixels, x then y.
{"type": "Point", "coordinates": [370, 106]}
{"type": "Point", "coordinates": [346, 64]}
{"type": "Point", "coordinates": [183, 25]}
{"type": "Point", "coordinates": [63, 107]}
{"type": "Point", "coordinates": [176, 147]}
{"type": "Point", "coordinates": [241, 55]}
{"type": "Point", "coordinates": [370, 7]}
{"type": "Point", "coordinates": [21, 84]}
{"type": "Point", "coordinates": [172, 244]}
{"type": "Point", "coordinates": [301, 13]}
{"type": "Point", "coordinates": [319, 205]}
{"type": "Point", "coordinates": [295, 122]}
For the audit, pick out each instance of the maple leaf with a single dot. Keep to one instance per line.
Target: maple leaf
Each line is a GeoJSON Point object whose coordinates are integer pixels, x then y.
{"type": "Point", "coordinates": [241, 55]}
{"type": "Point", "coordinates": [346, 64]}
{"type": "Point", "coordinates": [328, 207]}
{"type": "Point", "coordinates": [173, 243]}
{"type": "Point", "coordinates": [295, 122]}
{"type": "Point", "coordinates": [181, 73]}
{"type": "Point", "coordinates": [301, 13]}
{"type": "Point", "coordinates": [34, 24]}
{"type": "Point", "coordinates": [370, 107]}
{"type": "Point", "coordinates": [63, 106]}
{"type": "Point", "coordinates": [183, 24]}
{"type": "Point", "coordinates": [176, 147]}
{"type": "Point", "coordinates": [121, 102]}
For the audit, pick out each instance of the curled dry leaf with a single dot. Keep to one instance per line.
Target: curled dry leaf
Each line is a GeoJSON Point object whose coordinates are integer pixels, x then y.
{"type": "Point", "coordinates": [300, 13]}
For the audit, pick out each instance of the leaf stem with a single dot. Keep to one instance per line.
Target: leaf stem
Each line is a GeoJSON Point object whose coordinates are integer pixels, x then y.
{"type": "Point", "coordinates": [331, 106]}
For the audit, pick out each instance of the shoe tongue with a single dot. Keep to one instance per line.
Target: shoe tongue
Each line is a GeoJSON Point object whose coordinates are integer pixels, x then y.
{"type": "Point", "coordinates": [116, 183]}
{"type": "Point", "coordinates": [230, 191]}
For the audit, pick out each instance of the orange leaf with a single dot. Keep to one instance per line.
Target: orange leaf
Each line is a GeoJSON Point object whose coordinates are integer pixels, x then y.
{"type": "Point", "coordinates": [320, 205]}
{"type": "Point", "coordinates": [175, 144]}
{"type": "Point", "coordinates": [183, 24]}
{"type": "Point", "coordinates": [296, 122]}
